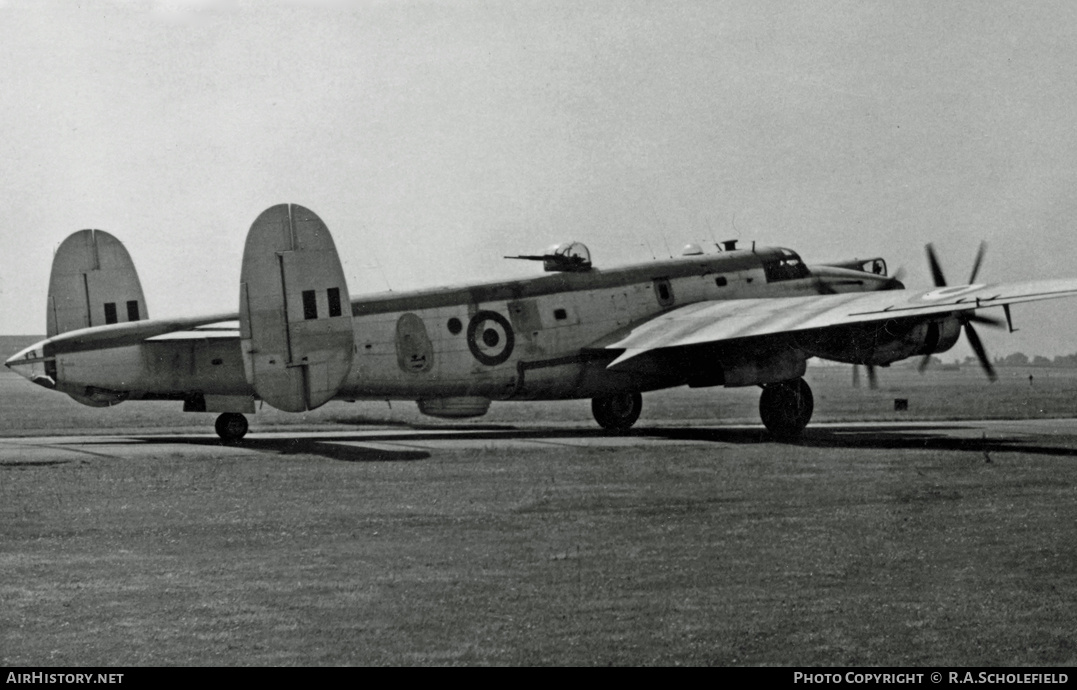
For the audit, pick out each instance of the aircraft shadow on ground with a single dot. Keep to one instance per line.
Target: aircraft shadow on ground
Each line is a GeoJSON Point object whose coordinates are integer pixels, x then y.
{"type": "Point", "coordinates": [883, 437]}
{"type": "Point", "coordinates": [877, 437]}
{"type": "Point", "coordinates": [330, 449]}
{"type": "Point", "coordinates": [915, 438]}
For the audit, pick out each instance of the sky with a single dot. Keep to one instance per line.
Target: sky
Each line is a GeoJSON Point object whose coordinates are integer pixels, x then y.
{"type": "Point", "coordinates": [434, 138]}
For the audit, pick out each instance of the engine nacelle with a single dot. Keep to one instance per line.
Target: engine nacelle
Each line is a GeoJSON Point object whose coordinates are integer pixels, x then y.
{"type": "Point", "coordinates": [882, 344]}
{"type": "Point", "coordinates": [924, 339]}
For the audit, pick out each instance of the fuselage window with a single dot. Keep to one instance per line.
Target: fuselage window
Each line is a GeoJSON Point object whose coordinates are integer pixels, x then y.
{"type": "Point", "coordinates": [110, 312]}
{"type": "Point", "coordinates": [663, 291]}
{"type": "Point", "coordinates": [455, 326]}
{"type": "Point", "coordinates": [560, 314]}
{"type": "Point", "coordinates": [132, 310]}
{"type": "Point", "coordinates": [721, 281]}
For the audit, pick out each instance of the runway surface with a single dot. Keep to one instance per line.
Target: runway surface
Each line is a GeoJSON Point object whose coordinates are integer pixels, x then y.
{"type": "Point", "coordinates": [1056, 436]}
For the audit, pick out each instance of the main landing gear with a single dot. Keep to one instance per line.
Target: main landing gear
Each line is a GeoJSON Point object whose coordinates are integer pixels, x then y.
{"type": "Point", "coordinates": [786, 407]}
{"type": "Point", "coordinates": [231, 427]}
{"type": "Point", "coordinates": [617, 412]}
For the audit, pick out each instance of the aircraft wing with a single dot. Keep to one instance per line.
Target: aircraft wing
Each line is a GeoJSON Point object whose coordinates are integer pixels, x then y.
{"type": "Point", "coordinates": [134, 332]}
{"type": "Point", "coordinates": [724, 320]}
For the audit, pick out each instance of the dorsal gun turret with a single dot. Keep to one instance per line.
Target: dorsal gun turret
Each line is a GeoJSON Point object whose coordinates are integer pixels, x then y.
{"type": "Point", "coordinates": [571, 257]}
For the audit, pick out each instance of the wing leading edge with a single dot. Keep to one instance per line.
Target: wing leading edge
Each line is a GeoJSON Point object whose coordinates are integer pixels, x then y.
{"type": "Point", "coordinates": [718, 321]}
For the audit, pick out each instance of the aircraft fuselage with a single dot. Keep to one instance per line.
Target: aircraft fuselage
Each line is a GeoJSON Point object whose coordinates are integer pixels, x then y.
{"type": "Point", "coordinates": [538, 338]}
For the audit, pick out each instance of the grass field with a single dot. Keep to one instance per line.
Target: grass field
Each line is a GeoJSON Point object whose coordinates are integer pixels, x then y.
{"type": "Point", "coordinates": [861, 546]}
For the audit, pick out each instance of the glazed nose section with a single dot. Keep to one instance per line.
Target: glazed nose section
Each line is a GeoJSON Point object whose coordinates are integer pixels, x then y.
{"type": "Point", "coordinates": [32, 364]}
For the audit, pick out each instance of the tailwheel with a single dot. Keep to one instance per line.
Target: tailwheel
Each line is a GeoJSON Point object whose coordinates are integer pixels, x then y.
{"type": "Point", "coordinates": [786, 407]}
{"type": "Point", "coordinates": [231, 427]}
{"type": "Point", "coordinates": [617, 412]}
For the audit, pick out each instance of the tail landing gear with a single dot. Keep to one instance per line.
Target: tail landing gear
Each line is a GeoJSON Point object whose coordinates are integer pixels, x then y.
{"type": "Point", "coordinates": [231, 427]}
{"type": "Point", "coordinates": [786, 407]}
{"type": "Point", "coordinates": [617, 412]}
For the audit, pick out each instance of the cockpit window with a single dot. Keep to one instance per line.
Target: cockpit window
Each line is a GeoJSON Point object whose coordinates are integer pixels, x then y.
{"type": "Point", "coordinates": [789, 267]}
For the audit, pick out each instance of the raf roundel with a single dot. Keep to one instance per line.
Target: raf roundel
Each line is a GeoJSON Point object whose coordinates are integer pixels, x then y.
{"type": "Point", "coordinates": [490, 338]}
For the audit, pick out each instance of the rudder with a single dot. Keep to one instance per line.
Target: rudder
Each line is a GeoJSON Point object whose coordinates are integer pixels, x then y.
{"type": "Point", "coordinates": [93, 283]}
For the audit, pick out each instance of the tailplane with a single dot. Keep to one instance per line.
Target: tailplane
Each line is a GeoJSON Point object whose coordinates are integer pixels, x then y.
{"type": "Point", "coordinates": [93, 283]}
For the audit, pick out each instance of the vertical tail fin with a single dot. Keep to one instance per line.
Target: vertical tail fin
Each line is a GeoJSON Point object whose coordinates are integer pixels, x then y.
{"type": "Point", "coordinates": [93, 283]}
{"type": "Point", "coordinates": [295, 320]}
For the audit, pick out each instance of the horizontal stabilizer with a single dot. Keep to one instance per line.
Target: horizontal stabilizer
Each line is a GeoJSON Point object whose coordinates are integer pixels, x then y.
{"type": "Point", "coordinates": [127, 334]}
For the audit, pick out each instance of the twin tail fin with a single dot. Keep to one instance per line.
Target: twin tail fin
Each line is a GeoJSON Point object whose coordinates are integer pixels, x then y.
{"type": "Point", "coordinates": [93, 283]}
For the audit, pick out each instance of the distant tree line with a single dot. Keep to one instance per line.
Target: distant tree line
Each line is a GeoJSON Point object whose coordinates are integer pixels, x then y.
{"type": "Point", "coordinates": [1017, 359]}
{"type": "Point", "coordinates": [1020, 359]}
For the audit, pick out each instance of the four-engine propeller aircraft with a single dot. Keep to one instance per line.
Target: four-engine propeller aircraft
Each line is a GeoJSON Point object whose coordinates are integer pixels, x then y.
{"type": "Point", "coordinates": [740, 317]}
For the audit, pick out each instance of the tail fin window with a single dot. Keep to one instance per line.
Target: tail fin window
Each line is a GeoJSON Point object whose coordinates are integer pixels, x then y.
{"type": "Point", "coordinates": [334, 301]}
{"type": "Point", "coordinates": [310, 304]}
{"type": "Point", "coordinates": [132, 310]}
{"type": "Point", "coordinates": [110, 312]}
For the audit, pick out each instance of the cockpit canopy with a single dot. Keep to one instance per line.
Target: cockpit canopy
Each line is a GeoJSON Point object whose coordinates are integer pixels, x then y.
{"type": "Point", "coordinates": [876, 266]}
{"type": "Point", "coordinates": [787, 267]}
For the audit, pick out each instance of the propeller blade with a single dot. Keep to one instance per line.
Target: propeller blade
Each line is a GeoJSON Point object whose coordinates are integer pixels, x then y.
{"type": "Point", "coordinates": [936, 270]}
{"type": "Point", "coordinates": [981, 353]}
{"type": "Point", "coordinates": [986, 320]}
{"type": "Point", "coordinates": [873, 380]}
{"type": "Point", "coordinates": [979, 260]}
{"type": "Point", "coordinates": [856, 376]}
{"type": "Point", "coordinates": [922, 367]}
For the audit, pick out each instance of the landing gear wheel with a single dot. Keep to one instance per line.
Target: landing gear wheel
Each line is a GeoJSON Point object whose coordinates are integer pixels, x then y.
{"type": "Point", "coordinates": [617, 412]}
{"type": "Point", "coordinates": [231, 426]}
{"type": "Point", "coordinates": [786, 407]}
